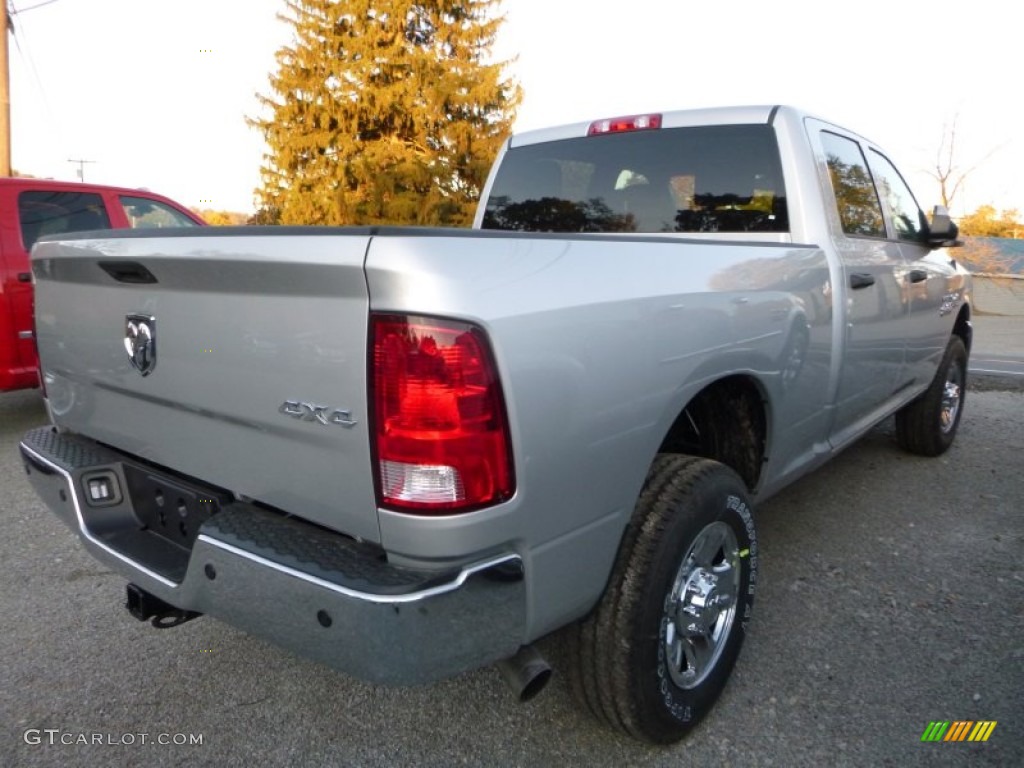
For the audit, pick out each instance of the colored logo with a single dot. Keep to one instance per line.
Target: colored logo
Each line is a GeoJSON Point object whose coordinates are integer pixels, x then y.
{"type": "Point", "coordinates": [958, 730]}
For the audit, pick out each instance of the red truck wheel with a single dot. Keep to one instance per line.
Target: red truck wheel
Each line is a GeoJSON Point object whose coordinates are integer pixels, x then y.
{"type": "Point", "coordinates": [655, 654]}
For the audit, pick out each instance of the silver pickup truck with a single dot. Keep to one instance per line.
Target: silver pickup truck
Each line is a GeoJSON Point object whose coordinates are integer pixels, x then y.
{"type": "Point", "coordinates": [409, 453]}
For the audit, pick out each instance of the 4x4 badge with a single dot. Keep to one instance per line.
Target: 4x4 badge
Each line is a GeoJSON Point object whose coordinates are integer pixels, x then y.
{"type": "Point", "coordinates": [140, 342]}
{"type": "Point", "coordinates": [324, 414]}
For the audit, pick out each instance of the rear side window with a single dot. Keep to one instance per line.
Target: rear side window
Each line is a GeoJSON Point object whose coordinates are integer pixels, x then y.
{"type": "Point", "coordinates": [56, 213]}
{"type": "Point", "coordinates": [860, 212]}
{"type": "Point", "coordinates": [725, 178]}
{"type": "Point", "coordinates": [143, 212]}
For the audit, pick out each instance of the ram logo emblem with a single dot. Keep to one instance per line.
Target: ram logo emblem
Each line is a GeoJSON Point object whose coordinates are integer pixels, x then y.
{"type": "Point", "coordinates": [140, 342]}
{"type": "Point", "coordinates": [949, 302]}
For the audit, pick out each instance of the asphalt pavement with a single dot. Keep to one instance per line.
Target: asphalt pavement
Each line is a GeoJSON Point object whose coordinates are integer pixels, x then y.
{"type": "Point", "coordinates": [891, 597]}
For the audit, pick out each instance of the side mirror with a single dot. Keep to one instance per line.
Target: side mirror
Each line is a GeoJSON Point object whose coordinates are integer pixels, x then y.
{"type": "Point", "coordinates": [942, 231]}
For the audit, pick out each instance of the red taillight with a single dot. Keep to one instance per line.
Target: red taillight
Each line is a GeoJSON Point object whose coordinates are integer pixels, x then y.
{"type": "Point", "coordinates": [441, 433]}
{"type": "Point", "coordinates": [622, 124]}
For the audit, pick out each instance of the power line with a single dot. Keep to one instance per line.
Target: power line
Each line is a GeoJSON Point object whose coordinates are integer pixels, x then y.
{"type": "Point", "coordinates": [21, 41]}
{"type": "Point", "coordinates": [15, 11]}
{"type": "Point", "coordinates": [18, 33]}
{"type": "Point", "coordinates": [7, 26]}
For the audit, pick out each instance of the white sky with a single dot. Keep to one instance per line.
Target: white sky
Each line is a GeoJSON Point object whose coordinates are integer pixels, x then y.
{"type": "Point", "coordinates": [156, 91]}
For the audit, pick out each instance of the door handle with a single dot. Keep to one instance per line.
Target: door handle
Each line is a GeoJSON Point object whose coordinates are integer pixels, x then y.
{"type": "Point", "coordinates": [24, 277]}
{"type": "Point", "coordinates": [917, 275]}
{"type": "Point", "coordinates": [127, 272]}
{"type": "Point", "coordinates": [861, 280]}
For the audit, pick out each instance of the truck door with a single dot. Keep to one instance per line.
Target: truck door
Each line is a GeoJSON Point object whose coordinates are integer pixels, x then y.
{"type": "Point", "coordinates": [926, 278]}
{"type": "Point", "coordinates": [875, 306]}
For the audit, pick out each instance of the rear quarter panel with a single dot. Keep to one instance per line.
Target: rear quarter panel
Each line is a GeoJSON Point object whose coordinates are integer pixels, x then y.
{"type": "Point", "coordinates": [600, 343]}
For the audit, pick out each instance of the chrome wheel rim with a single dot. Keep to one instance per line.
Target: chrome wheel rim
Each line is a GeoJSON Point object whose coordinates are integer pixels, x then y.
{"type": "Point", "coordinates": [952, 394]}
{"type": "Point", "coordinates": [700, 608]}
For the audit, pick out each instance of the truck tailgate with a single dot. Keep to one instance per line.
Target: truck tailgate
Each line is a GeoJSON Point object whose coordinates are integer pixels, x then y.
{"type": "Point", "coordinates": [259, 347]}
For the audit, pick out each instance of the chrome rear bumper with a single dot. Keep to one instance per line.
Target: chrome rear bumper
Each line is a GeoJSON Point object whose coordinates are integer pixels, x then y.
{"type": "Point", "coordinates": [305, 588]}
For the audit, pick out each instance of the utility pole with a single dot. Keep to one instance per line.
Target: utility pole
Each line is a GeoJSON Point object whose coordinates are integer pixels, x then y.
{"type": "Point", "coordinates": [81, 163]}
{"type": "Point", "coordinates": [5, 94]}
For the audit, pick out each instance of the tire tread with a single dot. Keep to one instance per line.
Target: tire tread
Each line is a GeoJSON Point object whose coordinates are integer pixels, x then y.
{"type": "Point", "coordinates": [602, 678]}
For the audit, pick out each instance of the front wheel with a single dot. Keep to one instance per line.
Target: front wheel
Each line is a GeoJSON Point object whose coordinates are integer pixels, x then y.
{"type": "Point", "coordinates": [928, 425]}
{"type": "Point", "coordinates": [657, 651]}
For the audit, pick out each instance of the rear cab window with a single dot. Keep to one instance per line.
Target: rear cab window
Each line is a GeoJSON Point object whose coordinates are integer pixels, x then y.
{"type": "Point", "coordinates": [142, 212]}
{"type": "Point", "coordinates": [55, 213]}
{"type": "Point", "coordinates": [725, 178]}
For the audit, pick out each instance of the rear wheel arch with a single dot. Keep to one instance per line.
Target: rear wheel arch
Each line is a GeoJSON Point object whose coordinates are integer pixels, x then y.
{"type": "Point", "coordinates": [728, 421]}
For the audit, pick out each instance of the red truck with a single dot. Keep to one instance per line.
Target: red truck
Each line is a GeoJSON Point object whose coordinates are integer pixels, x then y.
{"type": "Point", "coordinates": [32, 208]}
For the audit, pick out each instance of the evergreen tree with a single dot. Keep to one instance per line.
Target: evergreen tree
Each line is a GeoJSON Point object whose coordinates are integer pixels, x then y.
{"type": "Point", "coordinates": [383, 111]}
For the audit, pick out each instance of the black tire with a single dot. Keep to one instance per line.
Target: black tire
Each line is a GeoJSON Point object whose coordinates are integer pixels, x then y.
{"type": "Point", "coordinates": [631, 660]}
{"type": "Point", "coordinates": [927, 425]}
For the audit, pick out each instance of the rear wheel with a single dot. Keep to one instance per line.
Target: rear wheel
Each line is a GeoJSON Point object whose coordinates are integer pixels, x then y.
{"type": "Point", "coordinates": [927, 426]}
{"type": "Point", "coordinates": [654, 655]}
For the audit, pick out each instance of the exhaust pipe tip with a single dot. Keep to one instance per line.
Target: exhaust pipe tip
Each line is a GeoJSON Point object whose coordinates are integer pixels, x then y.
{"type": "Point", "coordinates": [526, 673]}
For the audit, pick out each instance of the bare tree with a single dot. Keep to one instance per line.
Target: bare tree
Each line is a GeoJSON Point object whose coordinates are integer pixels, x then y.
{"type": "Point", "coordinates": [980, 255]}
{"type": "Point", "coordinates": [949, 175]}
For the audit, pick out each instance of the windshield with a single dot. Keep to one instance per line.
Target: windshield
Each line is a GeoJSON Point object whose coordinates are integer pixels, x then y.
{"type": "Point", "coordinates": [724, 178]}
